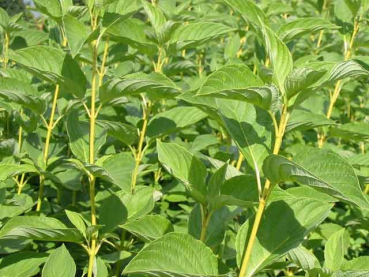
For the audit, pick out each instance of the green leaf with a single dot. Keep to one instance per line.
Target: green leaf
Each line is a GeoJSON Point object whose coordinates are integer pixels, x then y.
{"type": "Point", "coordinates": [23, 94]}
{"type": "Point", "coordinates": [76, 33]}
{"type": "Point", "coordinates": [315, 168]}
{"type": "Point", "coordinates": [120, 168]}
{"type": "Point", "coordinates": [173, 120]}
{"type": "Point", "coordinates": [23, 264]}
{"type": "Point", "coordinates": [237, 191]}
{"type": "Point", "coordinates": [155, 15]}
{"type": "Point", "coordinates": [303, 26]}
{"type": "Point", "coordinates": [301, 79]}
{"type": "Point", "coordinates": [248, 10]}
{"type": "Point", "coordinates": [359, 263]}
{"type": "Point", "coordinates": [356, 131]}
{"type": "Point", "coordinates": [11, 170]}
{"type": "Point", "coordinates": [65, 235]}
{"type": "Point", "coordinates": [346, 69]}
{"type": "Point", "coordinates": [194, 34]}
{"type": "Point", "coordinates": [59, 264]}
{"type": "Point", "coordinates": [112, 212]}
{"type": "Point", "coordinates": [138, 83]}
{"type": "Point", "coordinates": [32, 37]}
{"type": "Point", "coordinates": [77, 220]}
{"type": "Point", "coordinates": [304, 258]}
{"type": "Point", "coordinates": [301, 120]}
{"type": "Point", "coordinates": [176, 254]}
{"type": "Point", "coordinates": [4, 18]}
{"type": "Point", "coordinates": [52, 65]}
{"type": "Point", "coordinates": [250, 127]}
{"type": "Point", "coordinates": [51, 8]}
{"type": "Point", "coordinates": [183, 165]}
{"type": "Point", "coordinates": [279, 55]}
{"type": "Point", "coordinates": [239, 83]}
{"type": "Point", "coordinates": [334, 251]}
{"type": "Point", "coordinates": [31, 221]}
{"type": "Point", "coordinates": [138, 204]}
{"type": "Point", "coordinates": [149, 227]}
{"type": "Point", "coordinates": [121, 131]}
{"type": "Point", "coordinates": [287, 222]}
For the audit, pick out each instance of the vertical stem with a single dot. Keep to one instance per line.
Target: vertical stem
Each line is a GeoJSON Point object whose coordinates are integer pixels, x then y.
{"type": "Point", "coordinates": [92, 250]}
{"type": "Point", "coordinates": [6, 48]}
{"type": "Point", "coordinates": [337, 88]}
{"type": "Point", "coordinates": [239, 161]}
{"type": "Point", "coordinates": [49, 127]}
{"type": "Point", "coordinates": [139, 154]}
{"type": "Point", "coordinates": [265, 194]}
{"type": "Point", "coordinates": [105, 55]}
{"type": "Point", "coordinates": [206, 215]}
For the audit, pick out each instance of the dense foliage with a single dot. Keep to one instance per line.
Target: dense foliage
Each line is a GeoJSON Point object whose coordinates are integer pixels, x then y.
{"type": "Point", "coordinates": [185, 138]}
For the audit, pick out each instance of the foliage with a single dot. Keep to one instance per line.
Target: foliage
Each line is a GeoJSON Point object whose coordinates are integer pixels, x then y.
{"type": "Point", "coordinates": [185, 138]}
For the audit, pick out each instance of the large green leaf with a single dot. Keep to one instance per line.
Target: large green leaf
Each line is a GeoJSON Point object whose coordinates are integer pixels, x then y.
{"type": "Point", "coordinates": [250, 127]}
{"type": "Point", "coordinates": [279, 55]}
{"type": "Point", "coordinates": [120, 167]}
{"type": "Point", "coordinates": [304, 120]}
{"type": "Point", "coordinates": [112, 212]}
{"type": "Point", "coordinates": [302, 26]}
{"type": "Point", "coordinates": [357, 131]}
{"type": "Point", "coordinates": [284, 226]}
{"type": "Point", "coordinates": [322, 169]}
{"type": "Point", "coordinates": [183, 165]}
{"type": "Point", "coordinates": [177, 255]}
{"type": "Point", "coordinates": [51, 8]}
{"type": "Point", "coordinates": [248, 10]}
{"type": "Point", "coordinates": [239, 83]}
{"type": "Point", "coordinates": [173, 120]}
{"type": "Point", "coordinates": [24, 264]}
{"type": "Point", "coordinates": [10, 170]}
{"type": "Point", "coordinates": [334, 251]}
{"type": "Point", "coordinates": [52, 65]}
{"type": "Point", "coordinates": [149, 227]}
{"type": "Point", "coordinates": [76, 33]}
{"type": "Point", "coordinates": [197, 33]}
{"type": "Point", "coordinates": [59, 264]}
{"type": "Point", "coordinates": [154, 83]}
{"type": "Point", "coordinates": [301, 79]}
{"type": "Point", "coordinates": [23, 94]}
{"type": "Point", "coordinates": [155, 15]}
{"type": "Point", "coordinates": [121, 131]}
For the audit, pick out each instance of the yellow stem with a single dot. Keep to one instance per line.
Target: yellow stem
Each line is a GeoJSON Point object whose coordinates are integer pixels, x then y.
{"type": "Point", "coordinates": [6, 48]}
{"type": "Point", "coordinates": [93, 250]}
{"type": "Point", "coordinates": [265, 194]}
{"type": "Point", "coordinates": [337, 88]}
{"type": "Point", "coordinates": [205, 223]}
{"type": "Point", "coordinates": [49, 127]}
{"type": "Point", "coordinates": [239, 161]}
{"type": "Point", "coordinates": [139, 154]}
{"type": "Point", "coordinates": [102, 69]}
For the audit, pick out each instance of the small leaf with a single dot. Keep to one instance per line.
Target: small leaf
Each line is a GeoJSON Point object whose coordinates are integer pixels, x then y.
{"type": "Point", "coordinates": [356, 131]}
{"type": "Point", "coordinates": [149, 227]}
{"type": "Point", "coordinates": [197, 33]}
{"type": "Point", "coordinates": [175, 254]}
{"type": "Point", "coordinates": [138, 83]}
{"type": "Point", "coordinates": [334, 251]}
{"type": "Point", "coordinates": [248, 10]}
{"type": "Point", "coordinates": [59, 264]}
{"type": "Point", "coordinates": [301, 120]}
{"type": "Point", "coordinates": [183, 165]}
{"type": "Point", "coordinates": [304, 258]}
{"type": "Point", "coordinates": [77, 220]}
{"type": "Point", "coordinates": [173, 120]}
{"type": "Point", "coordinates": [121, 131]}
{"type": "Point", "coordinates": [303, 26]}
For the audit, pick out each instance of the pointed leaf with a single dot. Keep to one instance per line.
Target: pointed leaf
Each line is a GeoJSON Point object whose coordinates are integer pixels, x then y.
{"type": "Point", "coordinates": [176, 254]}
{"type": "Point", "coordinates": [76, 33]}
{"type": "Point", "coordinates": [334, 251]}
{"type": "Point", "coordinates": [315, 167]}
{"type": "Point", "coordinates": [59, 264]}
{"type": "Point", "coordinates": [287, 222]}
